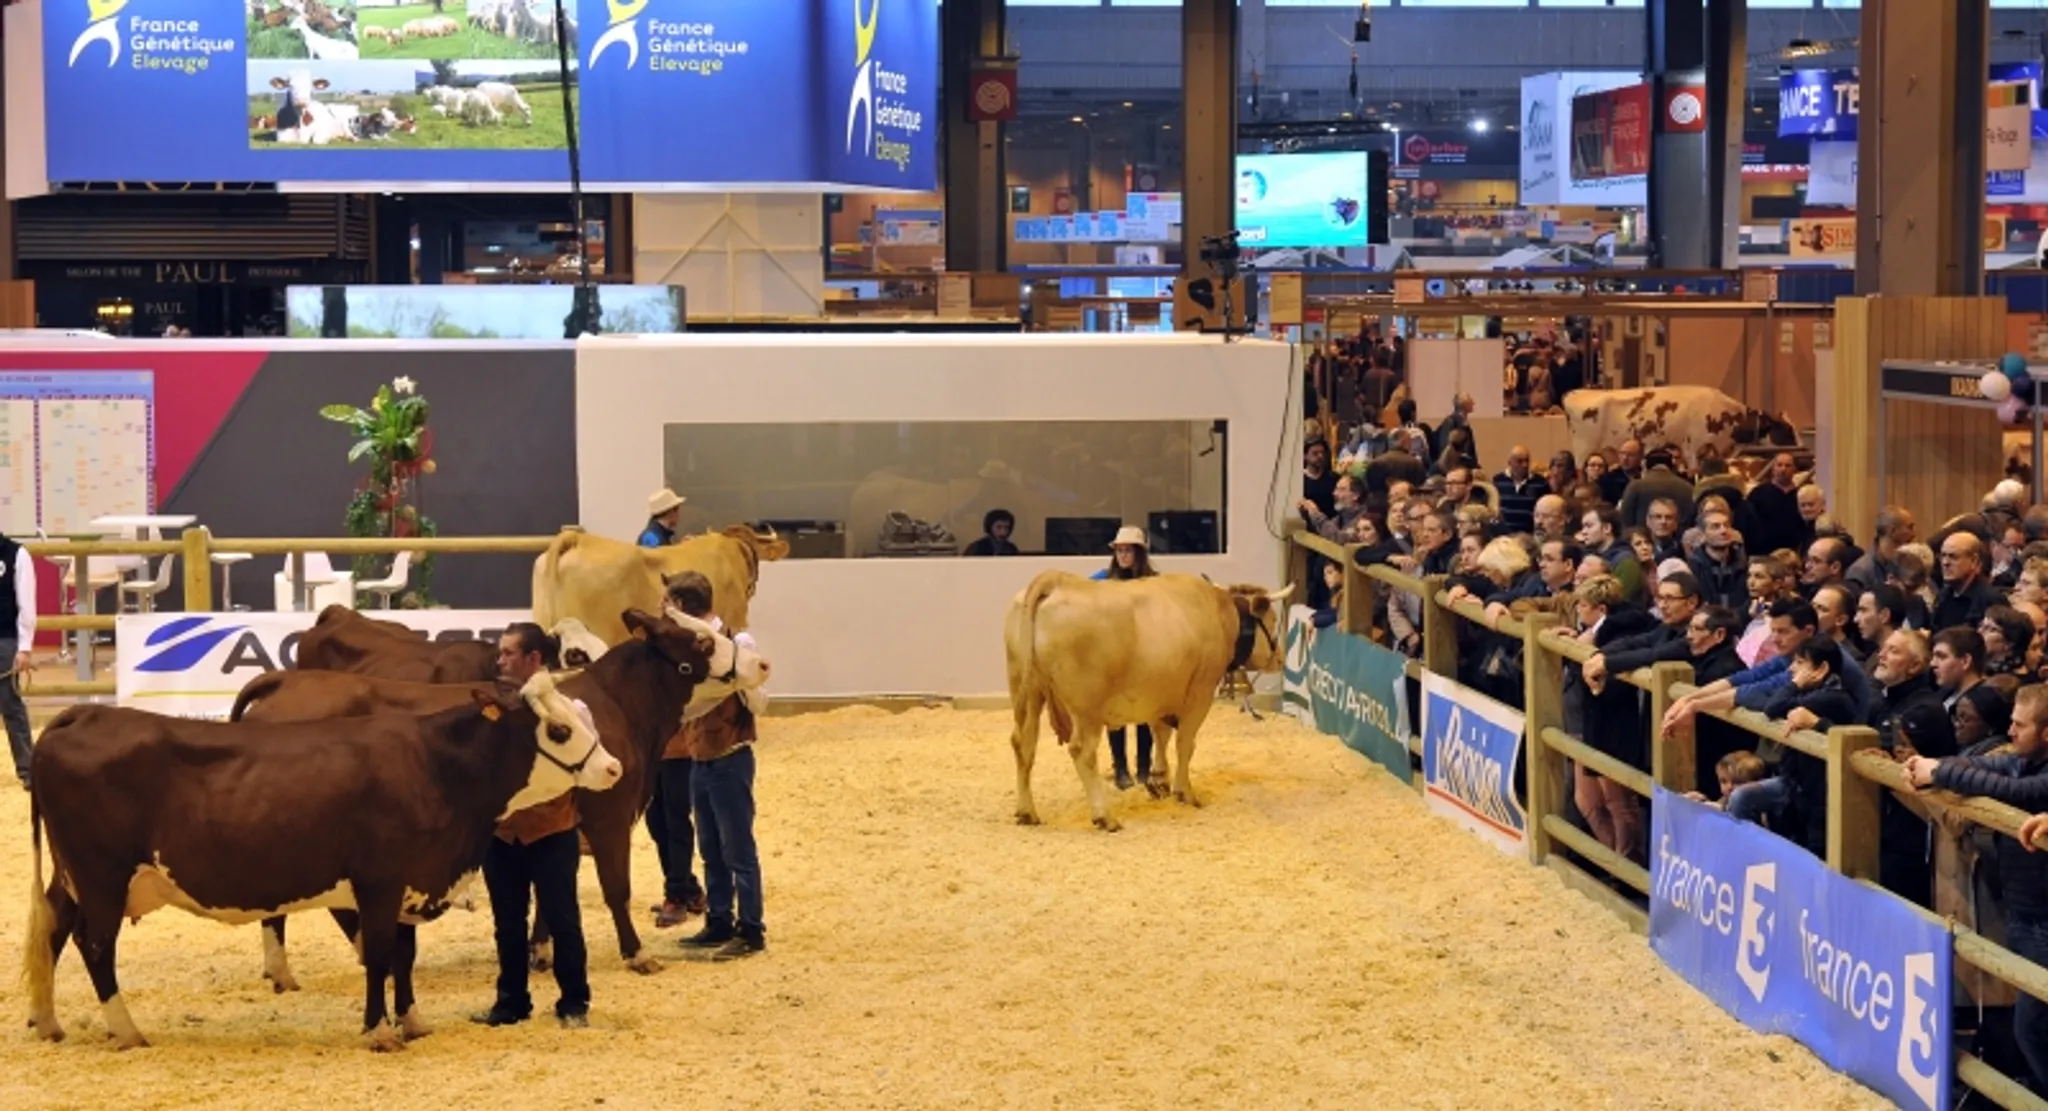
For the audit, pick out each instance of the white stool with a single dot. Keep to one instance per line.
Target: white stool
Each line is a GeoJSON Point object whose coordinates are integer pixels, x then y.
{"type": "Point", "coordinates": [227, 561]}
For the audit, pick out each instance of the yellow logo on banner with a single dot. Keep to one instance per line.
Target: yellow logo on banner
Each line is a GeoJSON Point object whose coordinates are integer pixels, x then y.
{"type": "Point", "coordinates": [101, 28]}
{"type": "Point", "coordinates": [624, 29]}
{"type": "Point", "coordinates": [862, 100]}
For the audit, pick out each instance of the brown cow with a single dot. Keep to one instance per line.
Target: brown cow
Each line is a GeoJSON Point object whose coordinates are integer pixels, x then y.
{"type": "Point", "coordinates": [636, 693]}
{"type": "Point", "coordinates": [1149, 650]}
{"type": "Point", "coordinates": [238, 821]}
{"type": "Point", "coordinates": [591, 578]}
{"type": "Point", "coordinates": [344, 640]}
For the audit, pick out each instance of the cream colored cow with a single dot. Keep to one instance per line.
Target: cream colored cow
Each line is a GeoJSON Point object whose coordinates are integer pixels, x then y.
{"type": "Point", "coordinates": [1101, 654]}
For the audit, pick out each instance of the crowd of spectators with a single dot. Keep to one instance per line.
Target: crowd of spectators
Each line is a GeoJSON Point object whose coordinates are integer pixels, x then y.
{"type": "Point", "coordinates": [1934, 642]}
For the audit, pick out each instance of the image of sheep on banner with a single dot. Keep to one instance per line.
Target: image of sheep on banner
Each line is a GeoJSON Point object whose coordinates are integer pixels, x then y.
{"type": "Point", "coordinates": [1470, 745]}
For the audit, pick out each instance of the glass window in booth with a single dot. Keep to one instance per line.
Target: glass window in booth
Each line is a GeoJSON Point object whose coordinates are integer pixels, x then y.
{"type": "Point", "coordinates": [874, 489]}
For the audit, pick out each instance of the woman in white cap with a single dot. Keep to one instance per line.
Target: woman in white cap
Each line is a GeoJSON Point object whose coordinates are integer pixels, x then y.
{"type": "Point", "coordinates": [1129, 559]}
{"type": "Point", "coordinates": [662, 508]}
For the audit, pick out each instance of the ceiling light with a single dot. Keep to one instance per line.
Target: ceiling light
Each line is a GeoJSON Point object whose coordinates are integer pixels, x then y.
{"type": "Point", "coordinates": [1479, 127]}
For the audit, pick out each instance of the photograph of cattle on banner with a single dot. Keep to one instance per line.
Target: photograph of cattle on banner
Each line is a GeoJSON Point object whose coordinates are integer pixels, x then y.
{"type": "Point", "coordinates": [349, 30]}
{"type": "Point", "coordinates": [460, 105]}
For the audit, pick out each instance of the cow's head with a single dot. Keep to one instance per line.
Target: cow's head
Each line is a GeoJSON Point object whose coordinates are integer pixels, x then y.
{"type": "Point", "coordinates": [756, 546]}
{"type": "Point", "coordinates": [1258, 646]}
{"type": "Point", "coordinates": [733, 668]}
{"type": "Point", "coordinates": [693, 651]}
{"type": "Point", "coordinates": [570, 754]}
{"type": "Point", "coordinates": [580, 646]}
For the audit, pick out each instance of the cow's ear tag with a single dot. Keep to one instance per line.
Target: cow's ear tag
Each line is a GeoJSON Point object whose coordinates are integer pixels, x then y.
{"type": "Point", "coordinates": [492, 713]}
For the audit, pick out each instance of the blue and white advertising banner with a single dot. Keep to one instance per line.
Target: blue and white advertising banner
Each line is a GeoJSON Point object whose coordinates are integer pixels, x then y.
{"type": "Point", "coordinates": [194, 664]}
{"type": "Point", "coordinates": [1832, 168]}
{"type": "Point", "coordinates": [1470, 746]}
{"type": "Point", "coordinates": [1294, 698]}
{"type": "Point", "coordinates": [1764, 929]}
{"type": "Point", "coordinates": [668, 94]}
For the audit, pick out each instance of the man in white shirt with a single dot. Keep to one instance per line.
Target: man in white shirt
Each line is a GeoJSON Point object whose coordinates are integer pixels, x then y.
{"type": "Point", "coordinates": [17, 640]}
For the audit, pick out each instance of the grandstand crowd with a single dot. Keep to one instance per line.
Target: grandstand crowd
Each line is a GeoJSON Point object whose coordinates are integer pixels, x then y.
{"type": "Point", "coordinates": [1934, 641]}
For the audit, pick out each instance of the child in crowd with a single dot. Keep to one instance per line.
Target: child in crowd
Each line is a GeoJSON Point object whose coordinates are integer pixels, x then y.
{"type": "Point", "coordinates": [1734, 770]}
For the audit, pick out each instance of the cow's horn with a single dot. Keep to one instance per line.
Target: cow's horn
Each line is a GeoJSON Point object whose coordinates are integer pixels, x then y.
{"type": "Point", "coordinates": [1281, 594]}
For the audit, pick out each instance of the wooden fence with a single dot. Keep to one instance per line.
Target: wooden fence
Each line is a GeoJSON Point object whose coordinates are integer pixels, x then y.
{"type": "Point", "coordinates": [1858, 771]}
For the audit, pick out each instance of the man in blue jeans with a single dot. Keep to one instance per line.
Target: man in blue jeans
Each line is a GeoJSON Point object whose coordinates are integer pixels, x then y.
{"type": "Point", "coordinates": [17, 639]}
{"type": "Point", "coordinates": [2017, 777]}
{"type": "Point", "coordinates": [720, 745]}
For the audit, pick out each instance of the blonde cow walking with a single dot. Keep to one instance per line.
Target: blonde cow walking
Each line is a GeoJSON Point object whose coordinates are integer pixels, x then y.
{"type": "Point", "coordinates": [1149, 651]}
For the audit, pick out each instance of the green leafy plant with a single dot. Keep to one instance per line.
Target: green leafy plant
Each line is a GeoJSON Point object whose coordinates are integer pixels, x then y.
{"type": "Point", "coordinates": [393, 435]}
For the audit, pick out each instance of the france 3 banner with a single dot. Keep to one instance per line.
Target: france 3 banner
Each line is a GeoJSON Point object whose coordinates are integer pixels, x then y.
{"type": "Point", "coordinates": [1788, 947]}
{"type": "Point", "coordinates": [1470, 746]}
{"type": "Point", "coordinates": [193, 665]}
{"type": "Point", "coordinates": [754, 93]}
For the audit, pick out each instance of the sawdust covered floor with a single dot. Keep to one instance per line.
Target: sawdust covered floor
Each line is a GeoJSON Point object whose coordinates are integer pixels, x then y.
{"type": "Point", "coordinates": [1311, 938]}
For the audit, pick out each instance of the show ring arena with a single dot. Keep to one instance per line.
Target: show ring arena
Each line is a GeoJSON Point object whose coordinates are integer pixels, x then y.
{"type": "Point", "coordinates": [1308, 937]}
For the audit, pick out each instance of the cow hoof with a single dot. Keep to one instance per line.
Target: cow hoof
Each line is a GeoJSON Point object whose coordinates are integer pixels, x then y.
{"type": "Point", "coordinates": [412, 1026]}
{"type": "Point", "coordinates": [645, 964]}
{"type": "Point", "coordinates": [1108, 825]}
{"type": "Point", "coordinates": [47, 1029]}
{"type": "Point", "coordinates": [1027, 818]}
{"type": "Point", "coordinates": [133, 1041]}
{"type": "Point", "coordinates": [541, 957]}
{"type": "Point", "coordinates": [1156, 787]}
{"type": "Point", "coordinates": [282, 982]}
{"type": "Point", "coordinates": [1188, 798]}
{"type": "Point", "coordinates": [384, 1039]}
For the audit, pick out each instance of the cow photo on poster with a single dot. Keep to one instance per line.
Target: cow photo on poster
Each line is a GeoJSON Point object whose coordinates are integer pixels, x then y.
{"type": "Point", "coordinates": [480, 75]}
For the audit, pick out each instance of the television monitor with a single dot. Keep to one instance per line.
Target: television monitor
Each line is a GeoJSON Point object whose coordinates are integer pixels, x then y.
{"type": "Point", "coordinates": [1089, 536]}
{"type": "Point", "coordinates": [1327, 199]}
{"type": "Point", "coordinates": [1183, 532]}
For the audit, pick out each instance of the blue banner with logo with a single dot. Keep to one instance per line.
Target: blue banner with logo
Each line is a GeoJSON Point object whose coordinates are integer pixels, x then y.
{"type": "Point", "coordinates": [1358, 693]}
{"type": "Point", "coordinates": [1823, 102]}
{"type": "Point", "coordinates": [1767, 931]}
{"type": "Point", "coordinates": [1470, 746]}
{"type": "Point", "coordinates": [667, 93]}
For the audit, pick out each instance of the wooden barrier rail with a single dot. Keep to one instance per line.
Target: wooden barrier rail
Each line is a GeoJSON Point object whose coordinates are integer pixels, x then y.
{"type": "Point", "coordinates": [196, 547]}
{"type": "Point", "coordinates": [1858, 773]}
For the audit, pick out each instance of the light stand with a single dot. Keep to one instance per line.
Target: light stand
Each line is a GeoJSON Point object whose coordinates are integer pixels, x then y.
{"type": "Point", "coordinates": [585, 315]}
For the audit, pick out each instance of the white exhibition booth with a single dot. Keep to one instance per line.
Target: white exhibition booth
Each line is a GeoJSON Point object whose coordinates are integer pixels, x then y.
{"type": "Point", "coordinates": [651, 409]}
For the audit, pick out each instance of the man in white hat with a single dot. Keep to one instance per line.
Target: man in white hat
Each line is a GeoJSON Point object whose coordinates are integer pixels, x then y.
{"type": "Point", "coordinates": [663, 506]}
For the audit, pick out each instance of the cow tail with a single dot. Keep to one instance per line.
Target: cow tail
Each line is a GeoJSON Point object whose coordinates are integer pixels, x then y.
{"type": "Point", "coordinates": [544, 571]}
{"type": "Point", "coordinates": [1035, 595]}
{"type": "Point", "coordinates": [38, 956]}
{"type": "Point", "coordinates": [263, 686]}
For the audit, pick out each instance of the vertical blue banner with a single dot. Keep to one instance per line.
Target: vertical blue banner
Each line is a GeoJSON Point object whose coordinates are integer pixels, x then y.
{"type": "Point", "coordinates": [1787, 946]}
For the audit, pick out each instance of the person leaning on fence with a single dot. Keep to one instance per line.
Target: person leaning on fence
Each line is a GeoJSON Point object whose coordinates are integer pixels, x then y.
{"type": "Point", "coordinates": [1905, 854]}
{"type": "Point", "coordinates": [1795, 801]}
{"type": "Point", "coordinates": [1608, 719]}
{"type": "Point", "coordinates": [2018, 777]}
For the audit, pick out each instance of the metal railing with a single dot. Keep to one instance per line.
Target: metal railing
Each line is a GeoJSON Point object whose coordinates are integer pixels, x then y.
{"type": "Point", "coordinates": [195, 548]}
{"type": "Point", "coordinates": [1858, 773]}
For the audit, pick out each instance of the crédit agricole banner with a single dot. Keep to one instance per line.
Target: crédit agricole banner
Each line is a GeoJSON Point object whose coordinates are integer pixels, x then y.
{"type": "Point", "coordinates": [739, 93]}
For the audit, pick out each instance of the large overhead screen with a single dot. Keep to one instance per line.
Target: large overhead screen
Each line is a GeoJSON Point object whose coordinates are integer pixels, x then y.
{"type": "Point", "coordinates": [1333, 199]}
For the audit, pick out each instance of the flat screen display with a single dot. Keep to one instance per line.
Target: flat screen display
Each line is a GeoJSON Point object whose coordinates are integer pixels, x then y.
{"type": "Point", "coordinates": [1310, 200]}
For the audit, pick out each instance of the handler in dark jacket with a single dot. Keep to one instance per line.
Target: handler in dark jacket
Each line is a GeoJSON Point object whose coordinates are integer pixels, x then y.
{"type": "Point", "coordinates": [2018, 777]}
{"type": "Point", "coordinates": [1708, 644]}
{"type": "Point", "coordinates": [1720, 565]}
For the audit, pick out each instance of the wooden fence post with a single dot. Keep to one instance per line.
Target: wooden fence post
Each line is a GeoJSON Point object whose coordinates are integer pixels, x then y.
{"type": "Point", "coordinates": [198, 557]}
{"type": "Point", "coordinates": [1361, 596]}
{"type": "Point", "coordinates": [1853, 805]}
{"type": "Point", "coordinates": [1439, 631]}
{"type": "Point", "coordinates": [1295, 565]}
{"type": "Point", "coordinates": [1542, 707]}
{"type": "Point", "coordinates": [1674, 753]}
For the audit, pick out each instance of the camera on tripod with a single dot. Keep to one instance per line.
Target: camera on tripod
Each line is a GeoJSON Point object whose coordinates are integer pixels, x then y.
{"type": "Point", "coordinates": [1223, 253]}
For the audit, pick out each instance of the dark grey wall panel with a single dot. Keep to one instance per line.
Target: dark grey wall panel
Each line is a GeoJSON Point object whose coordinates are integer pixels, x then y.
{"type": "Point", "coordinates": [504, 425]}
